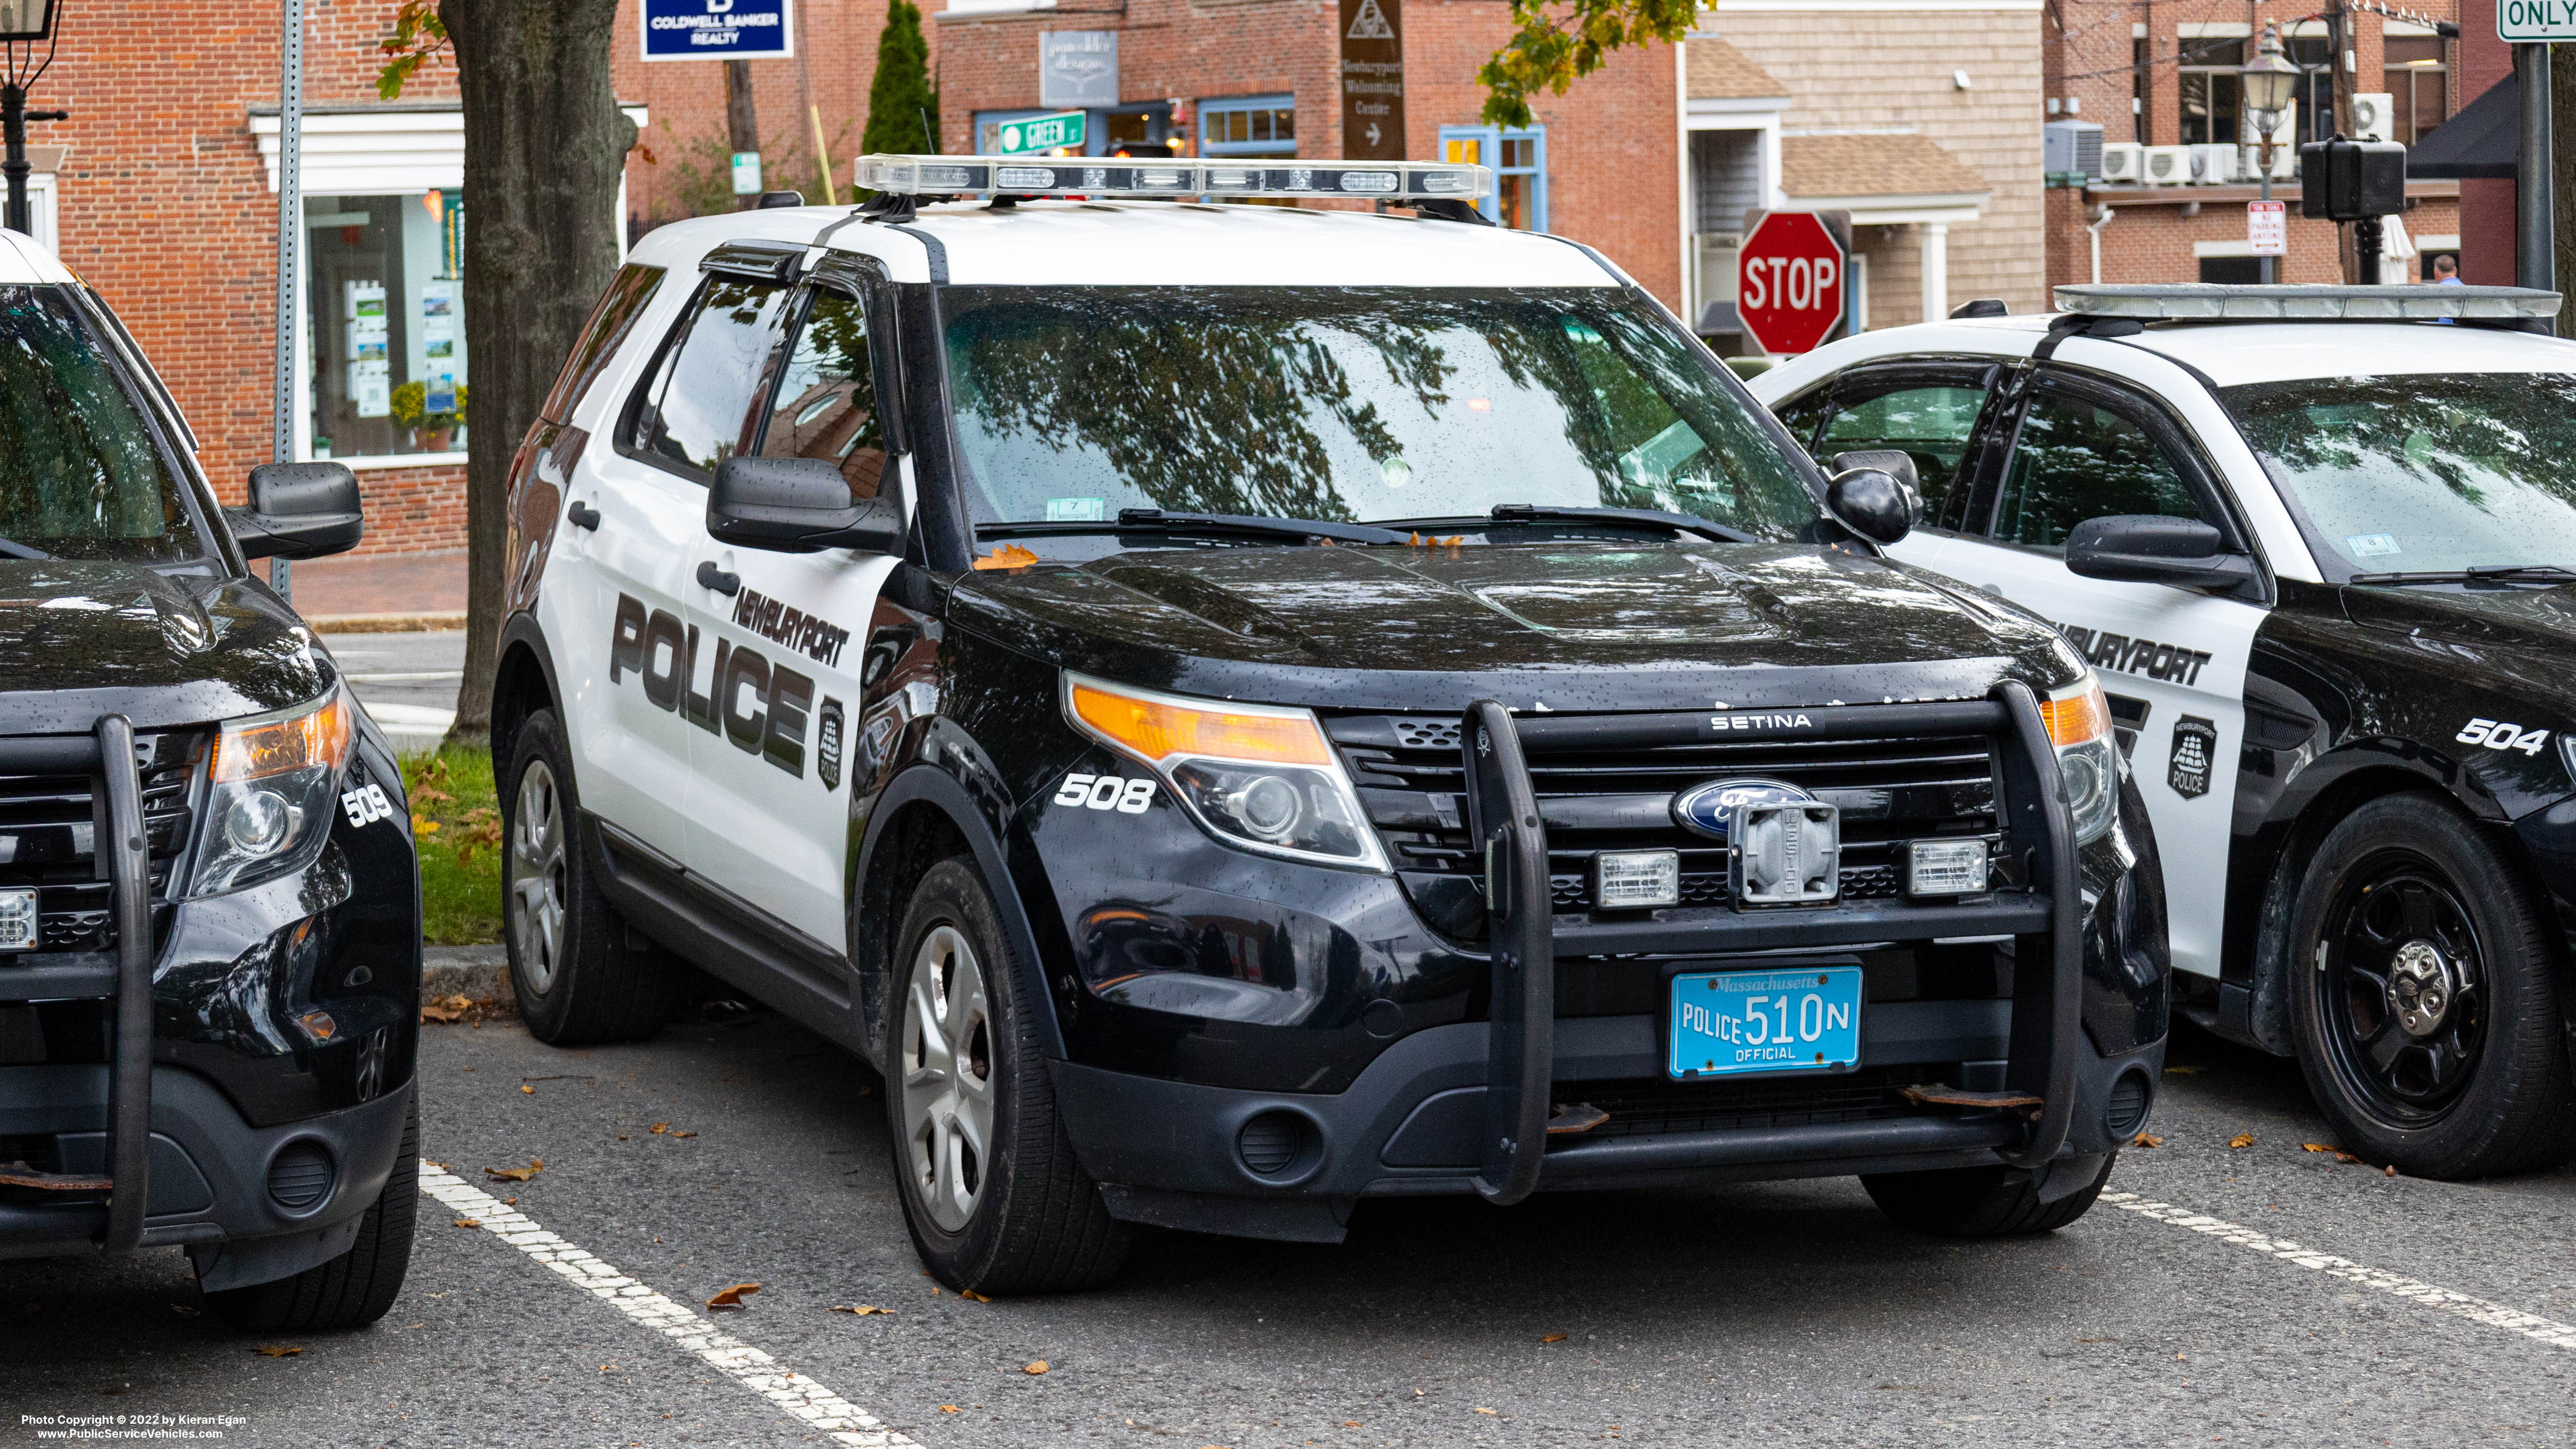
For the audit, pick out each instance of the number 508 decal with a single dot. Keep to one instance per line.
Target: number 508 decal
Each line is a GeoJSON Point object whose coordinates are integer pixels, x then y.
{"type": "Point", "coordinates": [2502, 736]}
{"type": "Point", "coordinates": [1106, 792]}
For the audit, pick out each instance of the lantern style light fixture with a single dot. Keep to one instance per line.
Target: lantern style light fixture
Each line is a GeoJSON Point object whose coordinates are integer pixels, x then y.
{"type": "Point", "coordinates": [27, 20]}
{"type": "Point", "coordinates": [2270, 81]}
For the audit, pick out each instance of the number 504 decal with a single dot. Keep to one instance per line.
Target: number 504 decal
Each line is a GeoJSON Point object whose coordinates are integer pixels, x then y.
{"type": "Point", "coordinates": [1106, 792]}
{"type": "Point", "coordinates": [2502, 736]}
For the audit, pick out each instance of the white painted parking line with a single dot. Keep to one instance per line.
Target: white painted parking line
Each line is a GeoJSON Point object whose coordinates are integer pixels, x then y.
{"type": "Point", "coordinates": [2460, 1305]}
{"type": "Point", "coordinates": [793, 1392]}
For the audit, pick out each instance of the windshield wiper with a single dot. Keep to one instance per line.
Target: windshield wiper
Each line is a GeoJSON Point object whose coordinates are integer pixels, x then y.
{"type": "Point", "coordinates": [1235, 525]}
{"type": "Point", "coordinates": [1510, 514]}
{"type": "Point", "coordinates": [2548, 572]}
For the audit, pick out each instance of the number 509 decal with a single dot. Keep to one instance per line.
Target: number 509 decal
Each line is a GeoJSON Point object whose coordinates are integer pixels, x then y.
{"type": "Point", "coordinates": [1106, 792]}
{"type": "Point", "coordinates": [2500, 736]}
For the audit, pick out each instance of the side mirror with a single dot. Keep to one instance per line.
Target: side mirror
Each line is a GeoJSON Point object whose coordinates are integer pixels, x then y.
{"type": "Point", "coordinates": [298, 511]}
{"type": "Point", "coordinates": [1886, 460]}
{"type": "Point", "coordinates": [2151, 548]}
{"type": "Point", "coordinates": [797, 505]}
{"type": "Point", "coordinates": [1873, 503]}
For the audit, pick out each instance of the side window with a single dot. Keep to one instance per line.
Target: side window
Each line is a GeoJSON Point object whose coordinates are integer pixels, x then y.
{"type": "Point", "coordinates": [1931, 425]}
{"type": "Point", "coordinates": [698, 400]}
{"type": "Point", "coordinates": [2077, 460]}
{"type": "Point", "coordinates": [609, 323]}
{"type": "Point", "coordinates": [827, 398]}
{"type": "Point", "coordinates": [1801, 415]}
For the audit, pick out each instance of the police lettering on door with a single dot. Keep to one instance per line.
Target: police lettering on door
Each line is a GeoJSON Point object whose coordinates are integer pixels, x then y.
{"type": "Point", "coordinates": [762, 707]}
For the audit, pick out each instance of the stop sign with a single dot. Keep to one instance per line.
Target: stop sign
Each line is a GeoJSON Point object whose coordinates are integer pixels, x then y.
{"type": "Point", "coordinates": [1789, 283]}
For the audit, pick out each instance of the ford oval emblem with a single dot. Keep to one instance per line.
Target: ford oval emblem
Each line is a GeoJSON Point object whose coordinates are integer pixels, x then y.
{"type": "Point", "coordinates": [1705, 809]}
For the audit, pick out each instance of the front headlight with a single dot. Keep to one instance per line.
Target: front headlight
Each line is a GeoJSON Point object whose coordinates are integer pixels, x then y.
{"type": "Point", "coordinates": [2079, 725]}
{"type": "Point", "coordinates": [1256, 776]}
{"type": "Point", "coordinates": [269, 807]}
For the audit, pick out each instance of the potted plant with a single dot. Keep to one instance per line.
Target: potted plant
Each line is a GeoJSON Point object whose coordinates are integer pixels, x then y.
{"type": "Point", "coordinates": [431, 432]}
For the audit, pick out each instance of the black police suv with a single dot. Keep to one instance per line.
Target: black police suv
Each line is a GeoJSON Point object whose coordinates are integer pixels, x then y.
{"type": "Point", "coordinates": [209, 906]}
{"type": "Point", "coordinates": [1238, 711]}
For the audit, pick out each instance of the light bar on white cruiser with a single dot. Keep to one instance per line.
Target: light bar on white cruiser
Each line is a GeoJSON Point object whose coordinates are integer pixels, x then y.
{"type": "Point", "coordinates": [1127, 176]}
{"type": "Point", "coordinates": [2212, 302]}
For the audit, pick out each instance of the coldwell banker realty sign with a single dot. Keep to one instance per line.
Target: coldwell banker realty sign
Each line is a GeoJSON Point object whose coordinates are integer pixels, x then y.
{"type": "Point", "coordinates": [717, 30]}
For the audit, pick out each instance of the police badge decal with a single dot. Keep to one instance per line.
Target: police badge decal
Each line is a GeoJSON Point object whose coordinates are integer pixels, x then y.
{"type": "Point", "coordinates": [2195, 740]}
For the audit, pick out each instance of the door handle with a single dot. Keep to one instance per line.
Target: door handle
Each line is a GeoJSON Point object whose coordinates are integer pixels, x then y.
{"type": "Point", "coordinates": [711, 577]}
{"type": "Point", "coordinates": [582, 516]}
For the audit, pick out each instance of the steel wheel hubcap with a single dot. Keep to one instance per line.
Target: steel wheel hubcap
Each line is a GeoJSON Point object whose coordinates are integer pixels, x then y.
{"type": "Point", "coordinates": [534, 892]}
{"type": "Point", "coordinates": [2400, 991]}
{"type": "Point", "coordinates": [947, 1066]}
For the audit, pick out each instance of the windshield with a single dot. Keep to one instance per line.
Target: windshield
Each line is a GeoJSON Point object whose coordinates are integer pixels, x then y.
{"type": "Point", "coordinates": [1354, 405]}
{"type": "Point", "coordinates": [2423, 473]}
{"type": "Point", "coordinates": [80, 473]}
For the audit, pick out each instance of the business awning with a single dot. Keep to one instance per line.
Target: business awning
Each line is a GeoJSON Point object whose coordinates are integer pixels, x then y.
{"type": "Point", "coordinates": [2478, 143]}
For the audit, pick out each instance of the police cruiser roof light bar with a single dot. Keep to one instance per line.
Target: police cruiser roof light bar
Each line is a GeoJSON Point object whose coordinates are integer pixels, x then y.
{"type": "Point", "coordinates": [1181, 179]}
{"type": "Point", "coordinates": [2210, 302]}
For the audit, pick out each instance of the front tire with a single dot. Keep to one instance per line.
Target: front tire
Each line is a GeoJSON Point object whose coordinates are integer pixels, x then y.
{"type": "Point", "coordinates": [578, 977]}
{"type": "Point", "coordinates": [353, 1289]}
{"type": "Point", "coordinates": [2422, 996]}
{"type": "Point", "coordinates": [1979, 1202]}
{"type": "Point", "coordinates": [991, 1192]}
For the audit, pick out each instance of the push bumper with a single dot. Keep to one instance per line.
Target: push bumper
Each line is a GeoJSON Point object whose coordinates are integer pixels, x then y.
{"type": "Point", "coordinates": [1465, 1108]}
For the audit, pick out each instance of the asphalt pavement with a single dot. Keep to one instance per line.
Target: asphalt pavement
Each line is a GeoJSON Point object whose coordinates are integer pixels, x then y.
{"type": "Point", "coordinates": [2348, 1307]}
{"type": "Point", "coordinates": [407, 682]}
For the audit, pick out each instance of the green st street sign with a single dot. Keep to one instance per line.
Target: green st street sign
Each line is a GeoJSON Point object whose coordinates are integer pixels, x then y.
{"type": "Point", "coordinates": [1043, 133]}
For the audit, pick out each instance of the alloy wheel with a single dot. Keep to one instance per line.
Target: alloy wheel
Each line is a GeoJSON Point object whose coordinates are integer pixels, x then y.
{"type": "Point", "coordinates": [947, 1067]}
{"type": "Point", "coordinates": [535, 890]}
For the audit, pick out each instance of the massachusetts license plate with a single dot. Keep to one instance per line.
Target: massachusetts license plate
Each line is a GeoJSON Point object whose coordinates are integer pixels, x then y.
{"type": "Point", "coordinates": [1765, 1021]}
{"type": "Point", "coordinates": [18, 920]}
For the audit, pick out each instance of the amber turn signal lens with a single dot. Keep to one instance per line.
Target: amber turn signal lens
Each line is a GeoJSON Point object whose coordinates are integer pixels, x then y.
{"type": "Point", "coordinates": [2077, 718]}
{"type": "Point", "coordinates": [1159, 729]}
{"type": "Point", "coordinates": [253, 749]}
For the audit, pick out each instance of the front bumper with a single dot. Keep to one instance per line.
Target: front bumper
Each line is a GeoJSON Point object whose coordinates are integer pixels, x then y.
{"type": "Point", "coordinates": [1465, 1106]}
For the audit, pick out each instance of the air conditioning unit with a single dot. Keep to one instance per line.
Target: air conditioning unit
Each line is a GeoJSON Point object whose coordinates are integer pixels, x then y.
{"type": "Point", "coordinates": [2213, 165]}
{"type": "Point", "coordinates": [2374, 117]}
{"type": "Point", "coordinates": [2168, 166]}
{"type": "Point", "coordinates": [2071, 148]}
{"type": "Point", "coordinates": [2124, 161]}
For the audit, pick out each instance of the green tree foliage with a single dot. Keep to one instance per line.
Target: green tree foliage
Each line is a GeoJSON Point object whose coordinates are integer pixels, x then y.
{"type": "Point", "coordinates": [1555, 43]}
{"type": "Point", "coordinates": [901, 94]}
{"type": "Point", "coordinates": [419, 37]}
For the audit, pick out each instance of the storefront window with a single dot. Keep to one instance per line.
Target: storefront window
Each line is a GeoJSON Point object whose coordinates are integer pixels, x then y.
{"type": "Point", "coordinates": [1248, 126]}
{"type": "Point", "coordinates": [1519, 159]}
{"type": "Point", "coordinates": [385, 320]}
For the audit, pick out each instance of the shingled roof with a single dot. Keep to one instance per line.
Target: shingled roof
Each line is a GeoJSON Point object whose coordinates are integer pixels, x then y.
{"type": "Point", "coordinates": [1873, 165]}
{"type": "Point", "coordinates": [1720, 72]}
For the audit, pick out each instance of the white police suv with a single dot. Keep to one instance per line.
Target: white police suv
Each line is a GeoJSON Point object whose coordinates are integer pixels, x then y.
{"type": "Point", "coordinates": [2320, 543]}
{"type": "Point", "coordinates": [1239, 709]}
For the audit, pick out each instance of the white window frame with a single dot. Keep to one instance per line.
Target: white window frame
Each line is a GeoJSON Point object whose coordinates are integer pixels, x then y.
{"type": "Point", "coordinates": [378, 151]}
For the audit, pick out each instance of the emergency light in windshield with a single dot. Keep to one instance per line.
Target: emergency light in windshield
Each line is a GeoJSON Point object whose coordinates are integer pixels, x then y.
{"type": "Point", "coordinates": [1083, 176]}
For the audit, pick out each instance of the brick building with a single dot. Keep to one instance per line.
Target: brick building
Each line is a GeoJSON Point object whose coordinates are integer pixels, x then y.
{"type": "Point", "coordinates": [160, 191]}
{"type": "Point", "coordinates": [2162, 75]}
{"type": "Point", "coordinates": [1602, 164]}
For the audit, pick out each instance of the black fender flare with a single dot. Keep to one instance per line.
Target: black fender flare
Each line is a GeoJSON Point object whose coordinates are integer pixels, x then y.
{"type": "Point", "coordinates": [519, 629]}
{"type": "Point", "coordinates": [926, 783]}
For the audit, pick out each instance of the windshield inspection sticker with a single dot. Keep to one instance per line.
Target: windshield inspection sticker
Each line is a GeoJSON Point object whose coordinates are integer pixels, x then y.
{"type": "Point", "coordinates": [1076, 510]}
{"type": "Point", "coordinates": [2195, 740]}
{"type": "Point", "coordinates": [1106, 792]}
{"type": "Point", "coordinates": [2371, 545]}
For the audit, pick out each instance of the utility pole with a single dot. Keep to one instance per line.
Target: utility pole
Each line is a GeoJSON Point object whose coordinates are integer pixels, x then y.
{"type": "Point", "coordinates": [290, 248]}
{"type": "Point", "coordinates": [2535, 252]}
{"type": "Point", "coordinates": [742, 125]}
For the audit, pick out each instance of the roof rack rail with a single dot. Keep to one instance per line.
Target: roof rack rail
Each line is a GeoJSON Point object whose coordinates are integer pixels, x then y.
{"type": "Point", "coordinates": [2214, 302]}
{"type": "Point", "coordinates": [1175, 180]}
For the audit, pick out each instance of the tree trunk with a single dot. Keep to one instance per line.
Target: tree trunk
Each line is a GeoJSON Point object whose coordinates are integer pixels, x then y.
{"type": "Point", "coordinates": [2562, 156]}
{"type": "Point", "coordinates": [742, 123]}
{"type": "Point", "coordinates": [545, 146]}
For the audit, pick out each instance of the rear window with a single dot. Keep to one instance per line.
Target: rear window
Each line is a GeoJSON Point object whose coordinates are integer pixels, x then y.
{"type": "Point", "coordinates": [609, 323]}
{"type": "Point", "coordinates": [81, 473]}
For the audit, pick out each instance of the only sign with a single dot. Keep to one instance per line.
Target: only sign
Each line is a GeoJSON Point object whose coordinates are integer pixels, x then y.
{"type": "Point", "coordinates": [1789, 283]}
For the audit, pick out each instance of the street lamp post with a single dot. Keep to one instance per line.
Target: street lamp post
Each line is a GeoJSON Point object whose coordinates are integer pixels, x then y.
{"type": "Point", "coordinates": [24, 25]}
{"type": "Point", "coordinates": [2270, 83]}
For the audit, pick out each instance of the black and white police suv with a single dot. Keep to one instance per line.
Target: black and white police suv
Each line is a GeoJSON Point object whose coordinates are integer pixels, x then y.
{"type": "Point", "coordinates": [2321, 555]}
{"type": "Point", "coordinates": [209, 906]}
{"type": "Point", "coordinates": [1237, 709]}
